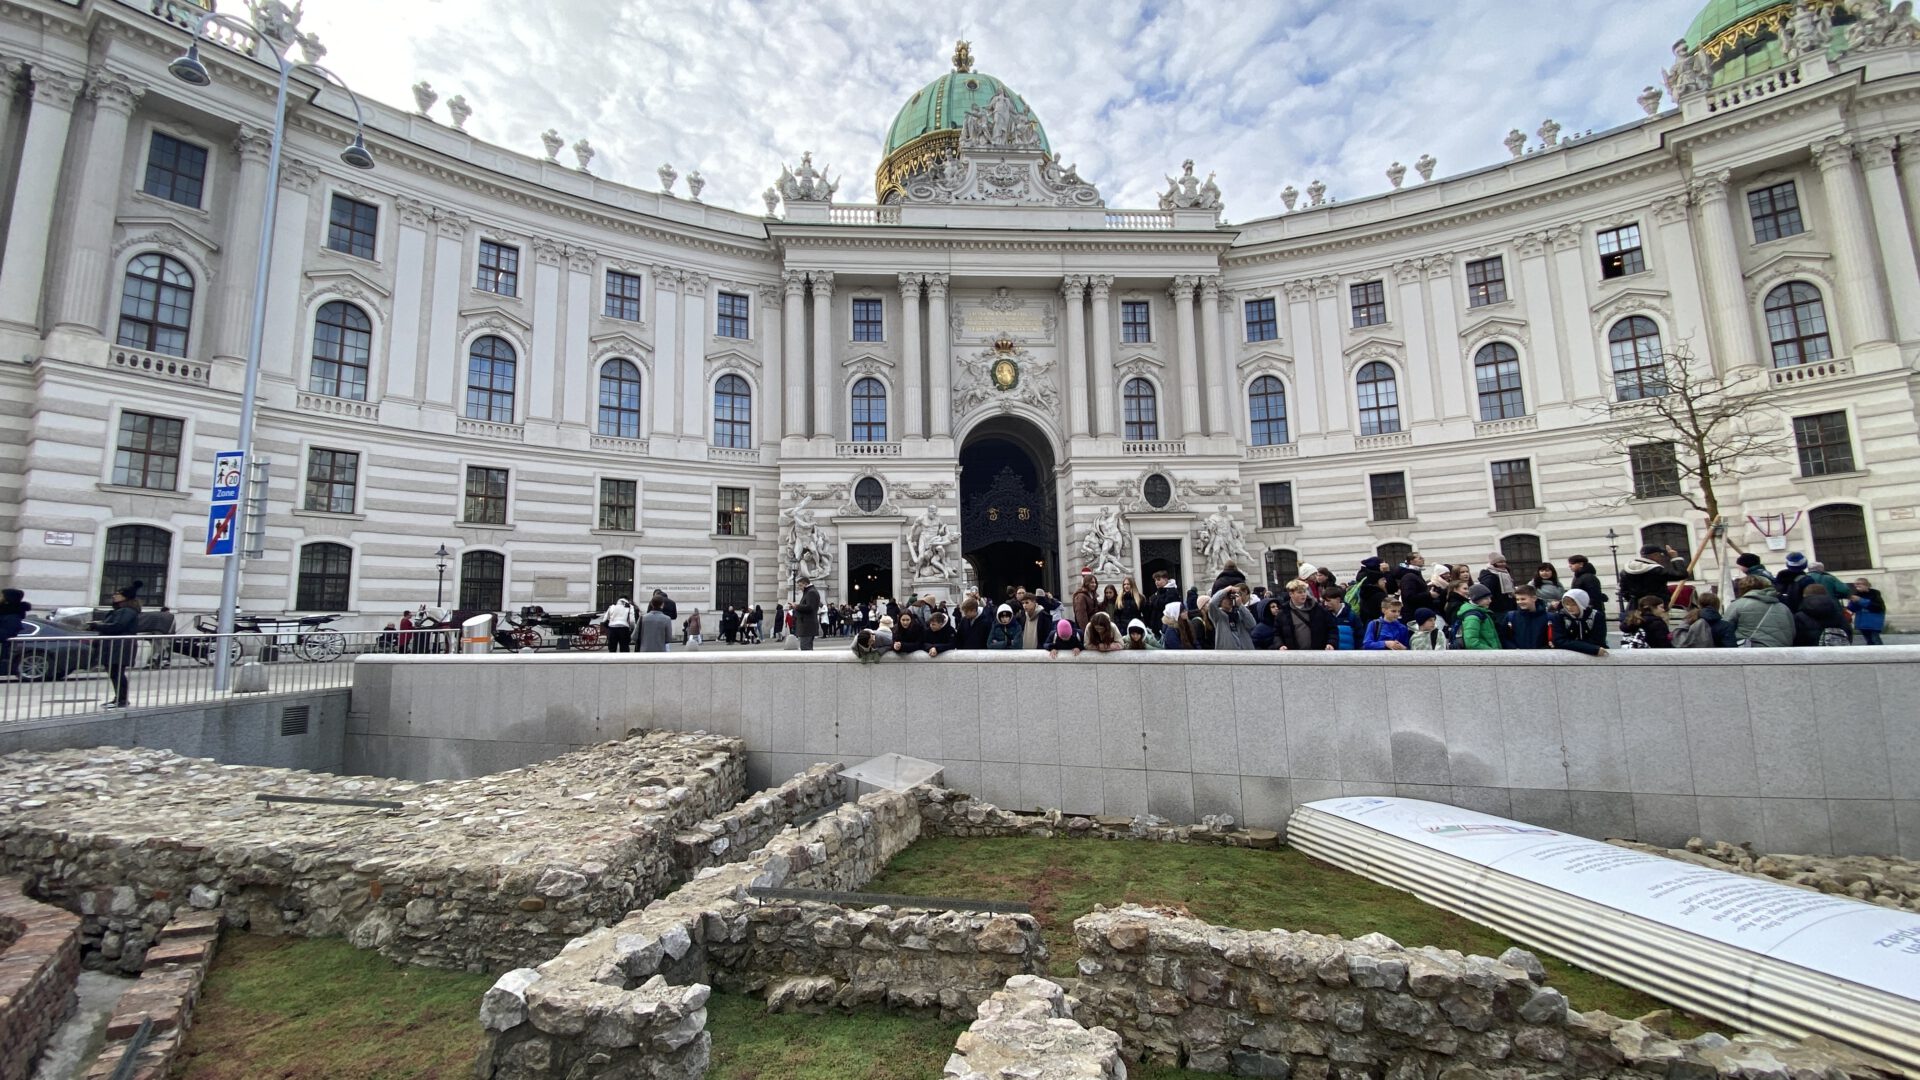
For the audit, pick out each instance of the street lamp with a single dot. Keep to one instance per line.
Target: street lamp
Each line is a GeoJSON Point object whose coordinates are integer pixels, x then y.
{"type": "Point", "coordinates": [1613, 547]}
{"type": "Point", "coordinates": [440, 569]}
{"type": "Point", "coordinates": [189, 69]}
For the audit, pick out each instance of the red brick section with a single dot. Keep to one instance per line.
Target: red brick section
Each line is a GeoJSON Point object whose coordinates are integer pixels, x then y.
{"type": "Point", "coordinates": [38, 968]}
{"type": "Point", "coordinates": [168, 986]}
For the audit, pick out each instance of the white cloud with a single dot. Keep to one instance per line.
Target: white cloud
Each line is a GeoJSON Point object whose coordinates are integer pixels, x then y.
{"type": "Point", "coordinates": [1264, 94]}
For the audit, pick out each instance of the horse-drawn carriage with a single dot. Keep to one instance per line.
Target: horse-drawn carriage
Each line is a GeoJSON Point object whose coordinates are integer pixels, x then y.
{"type": "Point", "coordinates": [534, 628]}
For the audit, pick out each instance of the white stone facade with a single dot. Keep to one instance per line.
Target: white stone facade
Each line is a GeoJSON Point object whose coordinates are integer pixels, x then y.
{"type": "Point", "coordinates": [952, 268]}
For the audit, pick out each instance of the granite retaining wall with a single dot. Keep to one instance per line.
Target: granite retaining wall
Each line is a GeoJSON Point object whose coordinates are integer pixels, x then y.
{"type": "Point", "coordinates": [39, 965]}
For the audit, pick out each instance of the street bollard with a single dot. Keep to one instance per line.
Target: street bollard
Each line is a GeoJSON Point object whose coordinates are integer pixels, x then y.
{"type": "Point", "coordinates": [476, 634]}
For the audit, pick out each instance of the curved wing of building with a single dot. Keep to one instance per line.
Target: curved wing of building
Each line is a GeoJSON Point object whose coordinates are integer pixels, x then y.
{"type": "Point", "coordinates": [506, 380]}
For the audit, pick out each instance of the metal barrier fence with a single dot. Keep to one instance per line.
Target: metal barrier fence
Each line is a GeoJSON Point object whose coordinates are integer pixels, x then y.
{"type": "Point", "coordinates": [81, 673]}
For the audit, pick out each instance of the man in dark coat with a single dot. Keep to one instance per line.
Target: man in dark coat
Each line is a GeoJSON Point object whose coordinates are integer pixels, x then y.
{"type": "Point", "coordinates": [1587, 580]}
{"type": "Point", "coordinates": [123, 622]}
{"type": "Point", "coordinates": [1414, 592]}
{"type": "Point", "coordinates": [806, 614]}
{"type": "Point", "coordinates": [1651, 574]}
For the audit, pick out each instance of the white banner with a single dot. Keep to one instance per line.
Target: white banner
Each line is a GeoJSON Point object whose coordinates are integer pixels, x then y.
{"type": "Point", "coordinates": [1835, 935]}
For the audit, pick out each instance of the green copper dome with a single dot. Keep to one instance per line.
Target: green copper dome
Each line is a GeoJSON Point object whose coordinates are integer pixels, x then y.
{"type": "Point", "coordinates": [945, 102]}
{"type": "Point", "coordinates": [1720, 15]}
{"type": "Point", "coordinates": [1742, 38]}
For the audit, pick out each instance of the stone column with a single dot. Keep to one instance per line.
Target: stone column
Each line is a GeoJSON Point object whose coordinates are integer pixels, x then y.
{"type": "Point", "coordinates": [794, 345]}
{"type": "Point", "coordinates": [692, 376]}
{"type": "Point", "coordinates": [825, 377]}
{"type": "Point", "coordinates": [1860, 293]}
{"type": "Point", "coordinates": [1720, 263]}
{"type": "Point", "coordinates": [1188, 353]}
{"type": "Point", "coordinates": [1219, 368]}
{"type": "Point", "coordinates": [939, 354]}
{"type": "Point", "coordinates": [1910, 178]}
{"type": "Point", "coordinates": [1890, 225]}
{"type": "Point", "coordinates": [10, 71]}
{"type": "Point", "coordinates": [912, 403]}
{"type": "Point", "coordinates": [88, 270]}
{"type": "Point", "coordinates": [774, 350]}
{"type": "Point", "coordinates": [666, 349]}
{"type": "Point", "coordinates": [1100, 286]}
{"type": "Point", "coordinates": [23, 273]}
{"type": "Point", "coordinates": [1074, 291]}
{"type": "Point", "coordinates": [233, 301]}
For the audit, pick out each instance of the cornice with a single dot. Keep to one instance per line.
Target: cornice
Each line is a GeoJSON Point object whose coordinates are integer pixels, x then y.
{"type": "Point", "coordinates": [883, 238]}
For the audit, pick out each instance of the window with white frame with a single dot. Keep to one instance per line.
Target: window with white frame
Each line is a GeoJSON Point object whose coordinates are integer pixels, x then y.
{"type": "Point", "coordinates": [326, 577]}
{"type": "Point", "coordinates": [1496, 376]}
{"type": "Point", "coordinates": [732, 413]}
{"type": "Point", "coordinates": [491, 372]}
{"type": "Point", "coordinates": [619, 399]}
{"type": "Point", "coordinates": [731, 510]}
{"type": "Point", "coordinates": [731, 315]}
{"type": "Point", "coordinates": [1656, 470]}
{"type": "Point", "coordinates": [1136, 322]}
{"type": "Point", "coordinates": [868, 319]}
{"type": "Point", "coordinates": [1639, 367]}
{"type": "Point", "coordinates": [1389, 496]}
{"type": "Point", "coordinates": [1267, 411]}
{"type": "Point", "coordinates": [1276, 505]}
{"type": "Point", "coordinates": [135, 553]}
{"type": "Point", "coordinates": [1263, 320]}
{"type": "Point", "coordinates": [619, 504]}
{"type": "Point", "coordinates": [146, 453]}
{"type": "Point", "coordinates": [1797, 325]}
{"type": "Point", "coordinates": [1378, 393]}
{"type": "Point", "coordinates": [624, 299]}
{"type": "Point", "coordinates": [156, 305]}
{"type": "Point", "coordinates": [1369, 301]}
{"type": "Point", "coordinates": [499, 269]}
{"type": "Point", "coordinates": [1824, 443]}
{"type": "Point", "coordinates": [1486, 281]}
{"type": "Point", "coordinates": [1620, 252]}
{"type": "Point", "coordinates": [1775, 210]}
{"type": "Point", "coordinates": [1512, 484]}
{"type": "Point", "coordinates": [342, 351]}
{"type": "Point", "coordinates": [176, 170]}
{"type": "Point", "coordinates": [333, 479]}
{"type": "Point", "coordinates": [869, 410]}
{"type": "Point", "coordinates": [486, 502]}
{"type": "Point", "coordinates": [353, 227]}
{"type": "Point", "coordinates": [1141, 411]}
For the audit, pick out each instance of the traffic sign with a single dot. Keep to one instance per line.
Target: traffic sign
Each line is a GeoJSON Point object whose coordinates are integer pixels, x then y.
{"type": "Point", "coordinates": [220, 522]}
{"type": "Point", "coordinates": [228, 469]}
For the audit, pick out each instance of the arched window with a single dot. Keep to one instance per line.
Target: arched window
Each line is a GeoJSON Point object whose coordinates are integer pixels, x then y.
{"type": "Point", "coordinates": [325, 572]}
{"type": "Point", "coordinates": [1638, 369]}
{"type": "Point", "coordinates": [1840, 537]}
{"type": "Point", "coordinates": [1142, 411]}
{"type": "Point", "coordinates": [483, 581]}
{"type": "Point", "coordinates": [612, 580]}
{"type": "Point", "coordinates": [1379, 397]}
{"type": "Point", "coordinates": [1496, 372]}
{"type": "Point", "coordinates": [732, 413]}
{"type": "Point", "coordinates": [1283, 565]}
{"type": "Point", "coordinates": [490, 376]}
{"type": "Point", "coordinates": [620, 399]}
{"type": "Point", "coordinates": [1267, 406]}
{"type": "Point", "coordinates": [1523, 552]}
{"type": "Point", "coordinates": [342, 346]}
{"type": "Point", "coordinates": [869, 410]}
{"type": "Point", "coordinates": [730, 583]}
{"type": "Point", "coordinates": [136, 553]}
{"type": "Point", "coordinates": [156, 305]}
{"type": "Point", "coordinates": [1392, 553]}
{"type": "Point", "coordinates": [1797, 325]}
{"type": "Point", "coordinates": [1668, 534]}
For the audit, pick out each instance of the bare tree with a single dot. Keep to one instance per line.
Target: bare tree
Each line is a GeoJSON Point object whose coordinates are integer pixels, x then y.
{"type": "Point", "coordinates": [1720, 427]}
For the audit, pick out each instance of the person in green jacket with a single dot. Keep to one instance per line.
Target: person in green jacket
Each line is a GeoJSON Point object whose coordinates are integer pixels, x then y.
{"type": "Point", "coordinates": [1760, 620]}
{"type": "Point", "coordinates": [1477, 627]}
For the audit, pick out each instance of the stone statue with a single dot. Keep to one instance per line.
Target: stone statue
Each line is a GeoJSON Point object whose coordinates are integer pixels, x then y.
{"type": "Point", "coordinates": [695, 182]}
{"type": "Point", "coordinates": [804, 548]}
{"type": "Point", "coordinates": [274, 19]}
{"type": "Point", "coordinates": [1808, 31]}
{"type": "Point", "coordinates": [928, 539]}
{"type": "Point", "coordinates": [805, 184]}
{"type": "Point", "coordinates": [1188, 193]}
{"type": "Point", "coordinates": [1105, 544]}
{"type": "Point", "coordinates": [457, 105]}
{"type": "Point", "coordinates": [1209, 194]}
{"type": "Point", "coordinates": [1396, 174]}
{"type": "Point", "coordinates": [1221, 540]}
{"type": "Point", "coordinates": [1878, 23]}
{"type": "Point", "coordinates": [1425, 167]}
{"type": "Point", "coordinates": [1691, 72]}
{"type": "Point", "coordinates": [1516, 142]}
{"type": "Point", "coordinates": [551, 139]}
{"type": "Point", "coordinates": [583, 153]}
{"type": "Point", "coordinates": [1000, 118]}
{"type": "Point", "coordinates": [423, 96]}
{"type": "Point", "coordinates": [667, 174]}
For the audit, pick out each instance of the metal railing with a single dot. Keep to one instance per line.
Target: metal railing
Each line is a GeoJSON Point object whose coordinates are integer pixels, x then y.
{"type": "Point", "coordinates": [73, 675]}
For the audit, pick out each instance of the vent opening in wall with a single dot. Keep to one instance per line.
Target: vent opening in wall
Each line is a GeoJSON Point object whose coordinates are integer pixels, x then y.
{"type": "Point", "coordinates": [293, 719]}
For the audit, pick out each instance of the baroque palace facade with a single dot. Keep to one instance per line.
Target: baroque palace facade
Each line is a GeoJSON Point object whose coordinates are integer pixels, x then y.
{"type": "Point", "coordinates": [574, 388]}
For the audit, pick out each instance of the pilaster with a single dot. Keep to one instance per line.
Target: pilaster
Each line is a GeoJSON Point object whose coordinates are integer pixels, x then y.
{"type": "Point", "coordinates": [1861, 297]}
{"type": "Point", "coordinates": [1188, 353]}
{"type": "Point", "coordinates": [1726, 286]}
{"type": "Point", "coordinates": [912, 404]}
{"type": "Point", "coordinates": [793, 286]}
{"type": "Point", "coordinates": [695, 328]}
{"type": "Point", "coordinates": [42, 154]}
{"type": "Point", "coordinates": [667, 358]}
{"type": "Point", "coordinates": [1100, 289]}
{"type": "Point", "coordinates": [826, 375]}
{"type": "Point", "coordinates": [939, 354]}
{"type": "Point", "coordinates": [81, 301]}
{"type": "Point", "coordinates": [1219, 366]}
{"type": "Point", "coordinates": [1890, 219]}
{"type": "Point", "coordinates": [1073, 291]}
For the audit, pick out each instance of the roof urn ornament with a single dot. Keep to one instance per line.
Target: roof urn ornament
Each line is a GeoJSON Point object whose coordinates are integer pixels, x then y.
{"type": "Point", "coordinates": [694, 183]}
{"type": "Point", "coordinates": [583, 152]}
{"type": "Point", "coordinates": [1396, 175]}
{"type": "Point", "coordinates": [423, 96]}
{"type": "Point", "coordinates": [771, 197]}
{"type": "Point", "coordinates": [458, 107]}
{"type": "Point", "coordinates": [551, 139]}
{"type": "Point", "coordinates": [1425, 167]}
{"type": "Point", "coordinates": [1289, 195]}
{"type": "Point", "coordinates": [1516, 142]}
{"type": "Point", "coordinates": [1317, 193]}
{"type": "Point", "coordinates": [1649, 100]}
{"type": "Point", "coordinates": [667, 175]}
{"type": "Point", "coordinates": [1549, 133]}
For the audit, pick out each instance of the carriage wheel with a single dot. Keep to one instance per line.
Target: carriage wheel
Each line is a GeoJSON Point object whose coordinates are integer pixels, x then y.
{"type": "Point", "coordinates": [525, 637]}
{"type": "Point", "coordinates": [590, 637]}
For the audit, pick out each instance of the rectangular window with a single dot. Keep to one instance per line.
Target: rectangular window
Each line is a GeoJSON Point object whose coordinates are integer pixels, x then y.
{"type": "Point", "coordinates": [486, 496]}
{"type": "Point", "coordinates": [619, 504]}
{"type": "Point", "coordinates": [326, 577]}
{"type": "Point", "coordinates": [624, 300]}
{"type": "Point", "coordinates": [1369, 303]}
{"type": "Point", "coordinates": [176, 171]}
{"type": "Point", "coordinates": [1824, 444]}
{"type": "Point", "coordinates": [499, 269]}
{"type": "Point", "coordinates": [1656, 471]}
{"type": "Point", "coordinates": [1513, 485]}
{"type": "Point", "coordinates": [1620, 252]}
{"type": "Point", "coordinates": [1389, 496]}
{"type": "Point", "coordinates": [1263, 322]}
{"type": "Point", "coordinates": [730, 517]}
{"type": "Point", "coordinates": [352, 226]}
{"type": "Point", "coordinates": [1775, 211]}
{"type": "Point", "coordinates": [1136, 323]}
{"type": "Point", "coordinates": [1486, 281]}
{"type": "Point", "coordinates": [331, 478]}
{"type": "Point", "coordinates": [732, 318]}
{"type": "Point", "coordinates": [867, 320]}
{"type": "Point", "coordinates": [147, 454]}
{"type": "Point", "coordinates": [1276, 505]}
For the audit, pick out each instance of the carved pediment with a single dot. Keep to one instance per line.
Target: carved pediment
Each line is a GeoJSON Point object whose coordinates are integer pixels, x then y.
{"type": "Point", "coordinates": [977, 174]}
{"type": "Point", "coordinates": [733, 360]}
{"type": "Point", "coordinates": [1267, 358]}
{"type": "Point", "coordinates": [1494, 326]}
{"type": "Point", "coordinates": [603, 346]}
{"type": "Point", "coordinates": [345, 284]}
{"type": "Point", "coordinates": [1633, 301]}
{"type": "Point", "coordinates": [867, 364]}
{"type": "Point", "coordinates": [163, 233]}
{"type": "Point", "coordinates": [1138, 364]}
{"type": "Point", "coordinates": [1790, 264]}
{"type": "Point", "coordinates": [1376, 343]}
{"type": "Point", "coordinates": [497, 318]}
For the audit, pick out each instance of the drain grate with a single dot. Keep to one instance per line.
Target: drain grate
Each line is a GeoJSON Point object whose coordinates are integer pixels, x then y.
{"type": "Point", "coordinates": [293, 719]}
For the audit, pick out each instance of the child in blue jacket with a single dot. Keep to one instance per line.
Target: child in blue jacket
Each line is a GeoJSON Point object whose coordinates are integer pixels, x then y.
{"type": "Point", "coordinates": [1387, 631]}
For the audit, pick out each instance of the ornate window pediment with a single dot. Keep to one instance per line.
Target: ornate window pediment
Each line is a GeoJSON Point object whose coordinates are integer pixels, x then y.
{"type": "Point", "coordinates": [164, 234]}
{"type": "Point", "coordinates": [606, 346]}
{"type": "Point", "coordinates": [1632, 302]}
{"type": "Point", "coordinates": [868, 363]}
{"type": "Point", "coordinates": [1138, 364]}
{"type": "Point", "coordinates": [1790, 264]}
{"type": "Point", "coordinates": [1494, 326]}
{"type": "Point", "coordinates": [497, 318]}
{"type": "Point", "coordinates": [1370, 349]}
{"type": "Point", "coordinates": [1268, 359]}
{"type": "Point", "coordinates": [1376, 342]}
{"type": "Point", "coordinates": [733, 360]}
{"type": "Point", "coordinates": [345, 284]}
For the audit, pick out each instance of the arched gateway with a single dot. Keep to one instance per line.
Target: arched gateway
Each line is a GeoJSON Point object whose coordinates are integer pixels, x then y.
{"type": "Point", "coordinates": [1009, 512]}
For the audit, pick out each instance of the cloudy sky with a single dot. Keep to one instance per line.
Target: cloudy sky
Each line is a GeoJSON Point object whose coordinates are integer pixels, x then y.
{"type": "Point", "coordinates": [1265, 94]}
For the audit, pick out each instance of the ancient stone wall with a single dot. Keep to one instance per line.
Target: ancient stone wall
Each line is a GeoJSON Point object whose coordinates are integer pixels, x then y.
{"type": "Point", "coordinates": [734, 834]}
{"type": "Point", "coordinates": [480, 874]}
{"type": "Point", "coordinates": [1884, 880]}
{"type": "Point", "coordinates": [1028, 1029]}
{"type": "Point", "coordinates": [39, 964]}
{"type": "Point", "coordinates": [1309, 1006]}
{"type": "Point", "coordinates": [946, 812]}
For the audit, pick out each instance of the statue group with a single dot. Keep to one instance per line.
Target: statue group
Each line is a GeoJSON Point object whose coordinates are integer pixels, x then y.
{"type": "Point", "coordinates": [804, 547]}
{"type": "Point", "coordinates": [928, 539]}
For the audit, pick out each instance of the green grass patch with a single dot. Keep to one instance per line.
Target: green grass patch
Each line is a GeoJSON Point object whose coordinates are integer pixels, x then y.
{"type": "Point", "coordinates": [313, 1008]}
{"type": "Point", "coordinates": [1236, 887]}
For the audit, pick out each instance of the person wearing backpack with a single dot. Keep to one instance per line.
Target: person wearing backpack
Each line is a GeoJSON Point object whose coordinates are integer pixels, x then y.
{"type": "Point", "coordinates": [1530, 625]}
{"type": "Point", "coordinates": [1820, 620]}
{"type": "Point", "coordinates": [1869, 611]}
{"type": "Point", "coordinates": [1646, 625]}
{"type": "Point", "coordinates": [1584, 625]}
{"type": "Point", "coordinates": [1760, 620]}
{"type": "Point", "coordinates": [1478, 626]}
{"type": "Point", "coordinates": [1428, 635]}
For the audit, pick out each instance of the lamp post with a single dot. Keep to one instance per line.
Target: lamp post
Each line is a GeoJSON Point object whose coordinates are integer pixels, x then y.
{"type": "Point", "coordinates": [189, 69]}
{"type": "Point", "coordinates": [1613, 548]}
{"type": "Point", "coordinates": [440, 570]}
